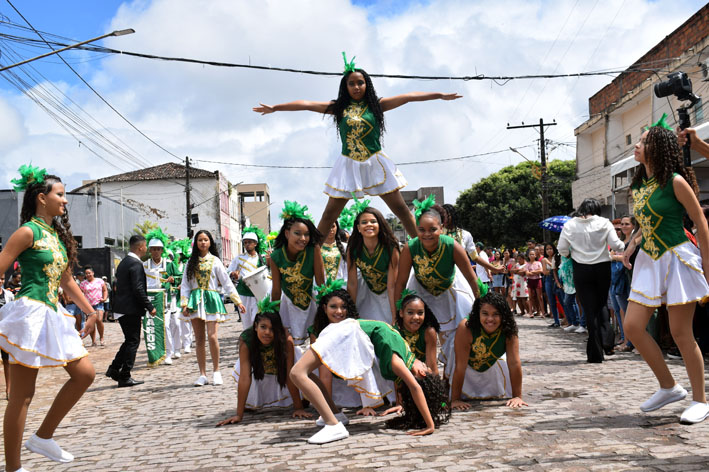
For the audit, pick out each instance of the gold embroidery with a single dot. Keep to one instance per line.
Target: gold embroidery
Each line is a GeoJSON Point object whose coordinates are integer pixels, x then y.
{"type": "Point", "coordinates": [412, 340]}
{"type": "Point", "coordinates": [481, 354]}
{"type": "Point", "coordinates": [426, 271]}
{"type": "Point", "coordinates": [269, 360]}
{"type": "Point", "coordinates": [204, 271]}
{"type": "Point", "coordinates": [359, 129]}
{"type": "Point", "coordinates": [644, 215]}
{"type": "Point", "coordinates": [295, 279]}
{"type": "Point", "coordinates": [331, 258]}
{"type": "Point", "coordinates": [54, 270]}
{"type": "Point", "coordinates": [376, 279]}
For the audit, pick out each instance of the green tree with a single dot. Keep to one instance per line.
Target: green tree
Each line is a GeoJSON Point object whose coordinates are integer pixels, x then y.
{"type": "Point", "coordinates": [506, 207]}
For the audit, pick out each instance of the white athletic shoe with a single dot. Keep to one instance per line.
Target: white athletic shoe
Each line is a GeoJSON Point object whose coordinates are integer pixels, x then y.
{"type": "Point", "coordinates": [663, 397]}
{"type": "Point", "coordinates": [329, 433]}
{"type": "Point", "coordinates": [187, 349]}
{"type": "Point", "coordinates": [581, 330]}
{"type": "Point", "coordinates": [217, 378]}
{"type": "Point", "coordinates": [695, 413]}
{"type": "Point", "coordinates": [177, 355]}
{"type": "Point", "coordinates": [48, 448]}
{"type": "Point", "coordinates": [167, 361]}
{"type": "Point", "coordinates": [341, 417]}
{"type": "Point", "coordinates": [571, 328]}
{"type": "Point", "coordinates": [202, 380]}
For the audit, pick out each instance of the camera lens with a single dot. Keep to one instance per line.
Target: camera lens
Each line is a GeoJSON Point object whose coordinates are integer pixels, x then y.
{"type": "Point", "coordinates": [663, 89]}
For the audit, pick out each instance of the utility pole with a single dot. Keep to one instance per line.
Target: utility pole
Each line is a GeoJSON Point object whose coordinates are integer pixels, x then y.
{"type": "Point", "coordinates": [96, 211]}
{"type": "Point", "coordinates": [187, 196]}
{"type": "Point", "coordinates": [542, 146]}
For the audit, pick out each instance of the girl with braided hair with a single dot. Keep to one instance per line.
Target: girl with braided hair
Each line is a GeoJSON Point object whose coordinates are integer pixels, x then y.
{"type": "Point", "coordinates": [266, 355]}
{"type": "Point", "coordinates": [362, 167]}
{"type": "Point", "coordinates": [669, 269]}
{"type": "Point", "coordinates": [35, 330]}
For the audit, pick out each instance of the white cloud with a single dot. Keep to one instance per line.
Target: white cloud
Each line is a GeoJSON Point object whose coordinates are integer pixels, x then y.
{"type": "Point", "coordinates": [205, 112]}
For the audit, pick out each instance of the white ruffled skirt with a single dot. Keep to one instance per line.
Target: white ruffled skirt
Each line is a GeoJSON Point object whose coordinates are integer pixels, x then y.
{"type": "Point", "coordinates": [34, 335]}
{"type": "Point", "coordinates": [370, 305]}
{"type": "Point", "coordinates": [450, 307]}
{"type": "Point", "coordinates": [378, 175]}
{"type": "Point", "coordinates": [264, 393]}
{"type": "Point", "coordinates": [493, 383]}
{"type": "Point", "coordinates": [296, 320]}
{"type": "Point", "coordinates": [676, 278]}
{"type": "Point", "coordinates": [346, 351]}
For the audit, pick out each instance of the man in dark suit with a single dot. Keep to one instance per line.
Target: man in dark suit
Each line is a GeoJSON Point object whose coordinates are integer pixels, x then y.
{"type": "Point", "coordinates": [130, 302]}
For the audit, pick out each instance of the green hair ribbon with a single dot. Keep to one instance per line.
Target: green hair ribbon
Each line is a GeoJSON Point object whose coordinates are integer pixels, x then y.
{"type": "Point", "coordinates": [295, 210]}
{"type": "Point", "coordinates": [261, 242]}
{"type": "Point", "coordinates": [29, 175]}
{"type": "Point", "coordinates": [404, 293]}
{"type": "Point", "coordinates": [424, 206]}
{"type": "Point", "coordinates": [349, 66]}
{"type": "Point", "coordinates": [265, 305]}
{"type": "Point", "coordinates": [661, 123]}
{"type": "Point", "coordinates": [328, 287]}
{"type": "Point", "coordinates": [483, 288]}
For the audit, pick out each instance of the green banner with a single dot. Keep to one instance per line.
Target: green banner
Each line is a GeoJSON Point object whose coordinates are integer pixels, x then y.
{"type": "Point", "coordinates": [154, 328]}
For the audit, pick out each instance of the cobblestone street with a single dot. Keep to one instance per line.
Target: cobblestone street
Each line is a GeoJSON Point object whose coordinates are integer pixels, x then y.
{"type": "Point", "coordinates": [581, 417]}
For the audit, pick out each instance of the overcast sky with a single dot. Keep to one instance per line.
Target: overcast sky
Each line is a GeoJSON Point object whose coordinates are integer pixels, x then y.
{"type": "Point", "coordinates": [205, 112]}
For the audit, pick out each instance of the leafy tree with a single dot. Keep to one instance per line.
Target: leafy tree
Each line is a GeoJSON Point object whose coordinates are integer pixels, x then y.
{"type": "Point", "coordinates": [506, 207]}
{"type": "Point", "coordinates": [145, 227]}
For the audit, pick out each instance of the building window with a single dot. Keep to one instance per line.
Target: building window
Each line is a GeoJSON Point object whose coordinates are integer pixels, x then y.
{"type": "Point", "coordinates": [628, 140]}
{"type": "Point", "coordinates": [79, 241]}
{"type": "Point", "coordinates": [698, 112]}
{"type": "Point", "coordinates": [109, 242]}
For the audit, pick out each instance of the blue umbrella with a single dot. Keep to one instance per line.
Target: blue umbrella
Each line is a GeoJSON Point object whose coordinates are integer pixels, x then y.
{"type": "Point", "coordinates": [555, 223]}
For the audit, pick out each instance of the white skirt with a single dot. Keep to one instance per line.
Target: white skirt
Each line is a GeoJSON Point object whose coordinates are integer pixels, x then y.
{"type": "Point", "coordinates": [450, 307]}
{"type": "Point", "coordinates": [370, 305]}
{"type": "Point", "coordinates": [676, 278]}
{"type": "Point", "coordinates": [34, 335]}
{"type": "Point", "coordinates": [264, 393]}
{"type": "Point", "coordinates": [493, 383]}
{"type": "Point", "coordinates": [346, 351]}
{"type": "Point", "coordinates": [296, 320]}
{"type": "Point", "coordinates": [251, 305]}
{"type": "Point", "coordinates": [377, 175]}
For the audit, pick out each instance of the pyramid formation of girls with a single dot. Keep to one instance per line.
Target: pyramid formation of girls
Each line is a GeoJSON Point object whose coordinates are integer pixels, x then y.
{"type": "Point", "coordinates": [359, 325]}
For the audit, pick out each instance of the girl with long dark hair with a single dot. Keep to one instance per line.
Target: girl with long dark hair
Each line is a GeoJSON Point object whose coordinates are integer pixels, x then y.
{"type": "Point", "coordinates": [35, 330]}
{"type": "Point", "coordinates": [334, 254]}
{"type": "Point", "coordinates": [202, 303]}
{"type": "Point", "coordinates": [362, 167]}
{"type": "Point", "coordinates": [552, 285]}
{"type": "Point", "coordinates": [419, 327]}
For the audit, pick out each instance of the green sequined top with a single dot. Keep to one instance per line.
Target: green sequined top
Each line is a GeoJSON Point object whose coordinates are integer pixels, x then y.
{"type": "Point", "coordinates": [416, 341]}
{"type": "Point", "coordinates": [659, 215]}
{"type": "Point", "coordinates": [331, 259]}
{"type": "Point", "coordinates": [296, 276]}
{"type": "Point", "coordinates": [359, 132]}
{"type": "Point", "coordinates": [435, 271]}
{"type": "Point", "coordinates": [486, 349]}
{"type": "Point", "coordinates": [267, 353]}
{"type": "Point", "coordinates": [374, 268]}
{"type": "Point", "coordinates": [387, 341]}
{"type": "Point", "coordinates": [42, 264]}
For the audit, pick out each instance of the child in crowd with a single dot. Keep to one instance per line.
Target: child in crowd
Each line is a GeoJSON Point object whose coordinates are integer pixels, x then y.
{"type": "Point", "coordinates": [519, 285]}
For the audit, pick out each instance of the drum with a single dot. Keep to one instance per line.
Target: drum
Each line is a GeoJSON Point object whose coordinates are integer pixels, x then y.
{"type": "Point", "coordinates": [258, 282]}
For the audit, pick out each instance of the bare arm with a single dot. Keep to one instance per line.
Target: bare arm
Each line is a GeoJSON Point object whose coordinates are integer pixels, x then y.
{"type": "Point", "coordinates": [392, 273]}
{"type": "Point", "coordinates": [685, 195]}
{"type": "Point", "coordinates": [104, 292]}
{"type": "Point", "coordinates": [399, 368]}
{"type": "Point", "coordinates": [404, 270]}
{"type": "Point", "coordinates": [298, 105]}
{"type": "Point", "coordinates": [389, 103]}
{"type": "Point", "coordinates": [244, 385]}
{"type": "Point", "coordinates": [515, 367]}
{"type": "Point", "coordinates": [351, 277]}
{"type": "Point", "coordinates": [319, 266]}
{"type": "Point", "coordinates": [275, 281]}
{"type": "Point", "coordinates": [20, 241]}
{"type": "Point", "coordinates": [461, 260]}
{"type": "Point", "coordinates": [463, 340]}
{"type": "Point", "coordinates": [431, 351]}
{"type": "Point", "coordinates": [486, 264]}
{"type": "Point", "coordinates": [695, 143]}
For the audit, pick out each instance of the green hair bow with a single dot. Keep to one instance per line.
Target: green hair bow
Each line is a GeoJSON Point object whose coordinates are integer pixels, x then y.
{"type": "Point", "coordinates": [483, 288]}
{"type": "Point", "coordinates": [661, 123]}
{"type": "Point", "coordinates": [265, 305]}
{"type": "Point", "coordinates": [349, 66]}
{"type": "Point", "coordinates": [295, 210]}
{"type": "Point", "coordinates": [29, 175]}
{"type": "Point", "coordinates": [261, 243]}
{"type": "Point", "coordinates": [328, 287]}
{"type": "Point", "coordinates": [424, 206]}
{"type": "Point", "coordinates": [404, 293]}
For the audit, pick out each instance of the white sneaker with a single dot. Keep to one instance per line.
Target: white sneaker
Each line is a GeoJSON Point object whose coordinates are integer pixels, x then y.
{"type": "Point", "coordinates": [341, 417]}
{"type": "Point", "coordinates": [48, 448]}
{"type": "Point", "coordinates": [581, 330]}
{"type": "Point", "coordinates": [187, 350]}
{"type": "Point", "coordinates": [217, 378]}
{"type": "Point", "coordinates": [663, 397]}
{"type": "Point", "coordinates": [202, 380]}
{"type": "Point", "coordinates": [571, 328]}
{"type": "Point", "coordinates": [329, 433]}
{"type": "Point", "coordinates": [167, 361]}
{"type": "Point", "coordinates": [695, 413]}
{"type": "Point", "coordinates": [177, 355]}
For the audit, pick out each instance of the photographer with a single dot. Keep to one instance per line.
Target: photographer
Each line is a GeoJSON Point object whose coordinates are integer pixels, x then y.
{"type": "Point", "coordinates": [699, 145]}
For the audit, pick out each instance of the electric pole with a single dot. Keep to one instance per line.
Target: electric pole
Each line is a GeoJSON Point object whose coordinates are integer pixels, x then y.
{"type": "Point", "coordinates": [542, 146]}
{"type": "Point", "coordinates": [187, 197]}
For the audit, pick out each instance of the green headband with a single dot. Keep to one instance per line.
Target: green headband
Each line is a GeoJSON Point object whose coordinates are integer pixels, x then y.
{"type": "Point", "coordinates": [328, 287]}
{"type": "Point", "coordinates": [349, 66]}
{"type": "Point", "coordinates": [267, 306]}
{"type": "Point", "coordinates": [404, 293]}
{"type": "Point", "coordinates": [661, 123]}
{"type": "Point", "coordinates": [29, 175]}
{"type": "Point", "coordinates": [295, 210]}
{"type": "Point", "coordinates": [424, 206]}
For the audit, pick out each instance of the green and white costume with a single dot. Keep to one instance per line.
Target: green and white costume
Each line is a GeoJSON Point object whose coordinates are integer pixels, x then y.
{"type": "Point", "coordinates": [200, 294]}
{"type": "Point", "coordinates": [372, 296]}
{"type": "Point", "coordinates": [297, 307]}
{"type": "Point", "coordinates": [335, 264]}
{"type": "Point", "coordinates": [246, 265]}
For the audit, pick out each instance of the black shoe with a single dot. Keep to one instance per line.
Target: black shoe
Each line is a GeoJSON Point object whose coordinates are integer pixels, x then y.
{"type": "Point", "coordinates": [609, 352]}
{"type": "Point", "coordinates": [113, 374]}
{"type": "Point", "coordinates": [554, 325]}
{"type": "Point", "coordinates": [129, 382]}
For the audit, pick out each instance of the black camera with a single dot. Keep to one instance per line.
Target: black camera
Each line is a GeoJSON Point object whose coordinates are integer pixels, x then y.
{"type": "Point", "coordinates": [677, 84]}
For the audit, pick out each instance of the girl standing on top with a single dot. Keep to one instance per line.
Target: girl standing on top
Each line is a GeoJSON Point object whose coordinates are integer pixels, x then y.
{"type": "Point", "coordinates": [362, 167]}
{"type": "Point", "coordinates": [374, 250]}
{"type": "Point", "coordinates": [295, 261]}
{"type": "Point", "coordinates": [201, 302]}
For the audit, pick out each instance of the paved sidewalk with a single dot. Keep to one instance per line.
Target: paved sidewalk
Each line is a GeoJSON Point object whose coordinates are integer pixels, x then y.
{"type": "Point", "coordinates": [581, 417]}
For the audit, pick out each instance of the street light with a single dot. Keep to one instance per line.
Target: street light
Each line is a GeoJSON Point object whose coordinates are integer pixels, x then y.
{"type": "Point", "coordinates": [523, 156]}
{"type": "Point", "coordinates": [114, 33]}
